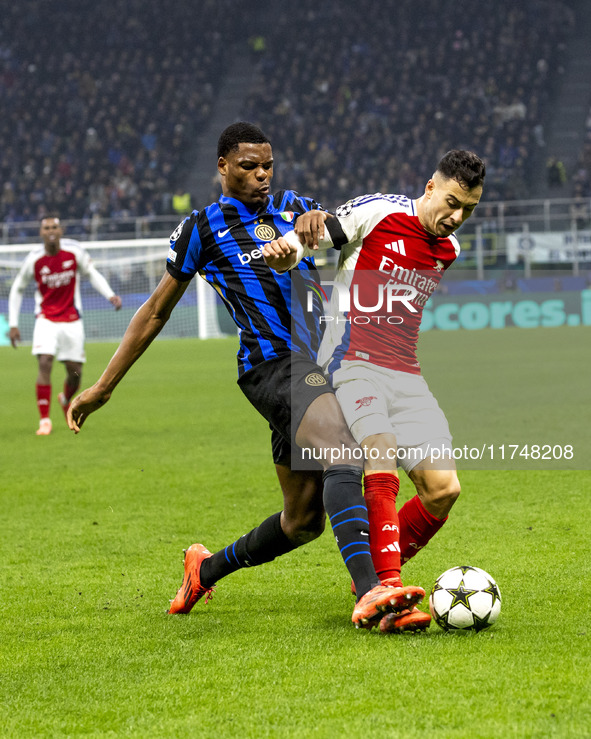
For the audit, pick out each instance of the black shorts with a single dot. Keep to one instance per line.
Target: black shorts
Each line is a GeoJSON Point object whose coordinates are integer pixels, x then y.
{"type": "Point", "coordinates": [282, 390]}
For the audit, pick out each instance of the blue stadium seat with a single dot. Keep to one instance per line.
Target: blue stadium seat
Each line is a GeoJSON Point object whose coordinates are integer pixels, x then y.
{"type": "Point", "coordinates": [574, 283]}
{"type": "Point", "coordinates": [473, 287]}
{"type": "Point", "coordinates": [538, 284]}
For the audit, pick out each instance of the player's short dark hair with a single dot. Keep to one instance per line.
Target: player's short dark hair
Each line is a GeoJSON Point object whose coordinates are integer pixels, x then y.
{"type": "Point", "coordinates": [464, 167]}
{"type": "Point", "coordinates": [238, 133]}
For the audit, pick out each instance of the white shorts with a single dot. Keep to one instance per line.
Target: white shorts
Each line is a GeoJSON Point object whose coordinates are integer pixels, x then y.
{"type": "Point", "coordinates": [64, 341]}
{"type": "Point", "coordinates": [377, 400]}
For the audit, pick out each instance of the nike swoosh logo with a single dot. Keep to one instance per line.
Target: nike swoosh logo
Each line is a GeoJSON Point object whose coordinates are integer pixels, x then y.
{"type": "Point", "coordinates": [221, 234]}
{"type": "Point", "coordinates": [363, 533]}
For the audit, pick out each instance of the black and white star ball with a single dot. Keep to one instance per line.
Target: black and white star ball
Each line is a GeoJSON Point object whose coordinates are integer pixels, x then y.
{"type": "Point", "coordinates": [465, 598]}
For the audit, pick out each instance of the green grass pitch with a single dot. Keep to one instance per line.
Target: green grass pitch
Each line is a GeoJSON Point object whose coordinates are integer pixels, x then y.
{"type": "Point", "coordinates": [93, 529]}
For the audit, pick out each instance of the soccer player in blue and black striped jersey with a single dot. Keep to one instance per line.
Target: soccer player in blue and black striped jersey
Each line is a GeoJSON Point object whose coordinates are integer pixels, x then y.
{"type": "Point", "coordinates": [277, 373]}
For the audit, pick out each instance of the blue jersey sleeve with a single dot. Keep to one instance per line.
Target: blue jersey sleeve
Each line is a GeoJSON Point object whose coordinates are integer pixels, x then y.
{"type": "Point", "coordinates": [289, 200]}
{"type": "Point", "coordinates": [310, 204]}
{"type": "Point", "coordinates": [185, 249]}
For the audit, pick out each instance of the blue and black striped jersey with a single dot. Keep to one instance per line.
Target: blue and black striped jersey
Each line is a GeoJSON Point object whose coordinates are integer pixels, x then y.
{"type": "Point", "coordinates": [275, 313]}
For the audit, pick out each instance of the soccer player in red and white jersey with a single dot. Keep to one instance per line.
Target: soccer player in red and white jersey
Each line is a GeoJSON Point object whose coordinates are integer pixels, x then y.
{"type": "Point", "coordinates": [56, 268]}
{"type": "Point", "coordinates": [394, 252]}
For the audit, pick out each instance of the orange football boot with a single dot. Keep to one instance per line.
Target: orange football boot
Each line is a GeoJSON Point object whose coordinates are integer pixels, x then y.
{"type": "Point", "coordinates": [407, 620]}
{"type": "Point", "coordinates": [370, 608]}
{"type": "Point", "coordinates": [191, 590]}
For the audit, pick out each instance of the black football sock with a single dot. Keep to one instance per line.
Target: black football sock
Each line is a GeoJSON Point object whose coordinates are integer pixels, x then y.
{"type": "Point", "coordinates": [347, 513]}
{"type": "Point", "coordinates": [260, 545]}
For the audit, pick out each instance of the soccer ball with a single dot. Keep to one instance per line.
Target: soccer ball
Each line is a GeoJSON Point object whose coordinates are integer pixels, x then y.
{"type": "Point", "coordinates": [465, 599]}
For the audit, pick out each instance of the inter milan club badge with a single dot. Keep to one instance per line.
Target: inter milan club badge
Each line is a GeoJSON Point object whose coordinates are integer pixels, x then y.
{"type": "Point", "coordinates": [264, 232]}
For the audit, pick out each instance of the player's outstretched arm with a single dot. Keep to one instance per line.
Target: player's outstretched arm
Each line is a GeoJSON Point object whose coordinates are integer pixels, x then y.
{"type": "Point", "coordinates": [309, 227]}
{"type": "Point", "coordinates": [142, 330]}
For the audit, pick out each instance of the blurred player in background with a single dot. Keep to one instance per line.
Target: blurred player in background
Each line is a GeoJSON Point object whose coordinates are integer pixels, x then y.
{"type": "Point", "coordinates": [391, 246]}
{"type": "Point", "coordinates": [56, 268]}
{"type": "Point", "coordinates": [277, 373]}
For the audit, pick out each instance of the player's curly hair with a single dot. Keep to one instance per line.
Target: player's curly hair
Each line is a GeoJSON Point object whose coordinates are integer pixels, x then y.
{"type": "Point", "coordinates": [464, 167]}
{"type": "Point", "coordinates": [238, 133]}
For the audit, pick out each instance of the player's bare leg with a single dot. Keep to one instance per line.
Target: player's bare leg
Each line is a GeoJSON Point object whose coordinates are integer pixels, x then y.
{"type": "Point", "coordinates": [45, 362]}
{"type": "Point", "coordinates": [423, 515]}
{"type": "Point", "coordinates": [323, 429]}
{"type": "Point", "coordinates": [303, 517]}
{"type": "Point", "coordinates": [437, 489]}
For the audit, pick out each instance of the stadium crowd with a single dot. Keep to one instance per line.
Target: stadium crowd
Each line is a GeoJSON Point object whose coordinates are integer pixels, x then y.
{"type": "Point", "coordinates": [582, 175]}
{"type": "Point", "coordinates": [101, 103]}
{"type": "Point", "coordinates": [362, 102]}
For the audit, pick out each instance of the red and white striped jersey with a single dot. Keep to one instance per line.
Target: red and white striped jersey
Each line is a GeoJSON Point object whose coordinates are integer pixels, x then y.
{"type": "Point", "coordinates": [388, 268]}
{"type": "Point", "coordinates": [57, 294]}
